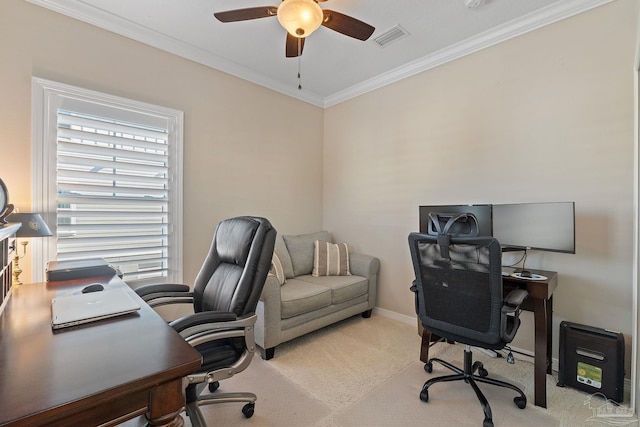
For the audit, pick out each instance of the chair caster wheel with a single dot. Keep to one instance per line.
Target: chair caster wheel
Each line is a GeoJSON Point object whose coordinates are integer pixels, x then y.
{"type": "Point", "coordinates": [521, 402]}
{"type": "Point", "coordinates": [214, 386]}
{"type": "Point", "coordinates": [247, 410]}
{"type": "Point", "coordinates": [483, 372]}
{"type": "Point", "coordinates": [428, 367]}
{"type": "Point", "coordinates": [424, 395]}
{"type": "Point", "coordinates": [487, 423]}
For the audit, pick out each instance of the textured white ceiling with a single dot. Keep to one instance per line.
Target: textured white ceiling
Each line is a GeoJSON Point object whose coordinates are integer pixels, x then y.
{"type": "Point", "coordinates": [333, 67]}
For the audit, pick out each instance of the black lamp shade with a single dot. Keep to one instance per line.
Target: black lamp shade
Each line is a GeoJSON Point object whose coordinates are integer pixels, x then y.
{"type": "Point", "coordinates": [32, 225]}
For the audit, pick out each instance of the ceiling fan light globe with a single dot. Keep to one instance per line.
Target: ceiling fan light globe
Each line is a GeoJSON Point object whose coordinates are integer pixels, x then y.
{"type": "Point", "coordinates": [300, 17]}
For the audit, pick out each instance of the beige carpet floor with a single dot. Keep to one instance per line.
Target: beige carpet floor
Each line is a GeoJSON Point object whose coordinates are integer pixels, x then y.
{"type": "Point", "coordinates": [396, 403]}
{"type": "Point", "coordinates": [366, 372]}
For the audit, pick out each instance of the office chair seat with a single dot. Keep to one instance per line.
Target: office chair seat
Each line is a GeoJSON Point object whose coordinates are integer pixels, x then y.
{"type": "Point", "coordinates": [219, 354]}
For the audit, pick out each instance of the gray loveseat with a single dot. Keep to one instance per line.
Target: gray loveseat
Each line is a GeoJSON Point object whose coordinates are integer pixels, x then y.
{"type": "Point", "coordinates": [305, 303]}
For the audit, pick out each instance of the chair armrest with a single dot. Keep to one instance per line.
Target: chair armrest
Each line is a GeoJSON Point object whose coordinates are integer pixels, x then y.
{"type": "Point", "coordinates": [213, 328]}
{"type": "Point", "coordinates": [165, 287]}
{"type": "Point", "coordinates": [162, 294]}
{"type": "Point", "coordinates": [201, 318]}
{"type": "Point", "coordinates": [515, 298]}
{"type": "Point", "coordinates": [200, 328]}
{"type": "Point", "coordinates": [510, 318]}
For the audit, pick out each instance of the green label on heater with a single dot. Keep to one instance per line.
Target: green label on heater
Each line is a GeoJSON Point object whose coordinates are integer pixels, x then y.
{"type": "Point", "coordinates": [589, 375]}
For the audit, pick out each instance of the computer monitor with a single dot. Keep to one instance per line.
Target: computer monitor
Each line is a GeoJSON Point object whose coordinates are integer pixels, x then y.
{"type": "Point", "coordinates": [481, 212]}
{"type": "Point", "coordinates": [540, 226]}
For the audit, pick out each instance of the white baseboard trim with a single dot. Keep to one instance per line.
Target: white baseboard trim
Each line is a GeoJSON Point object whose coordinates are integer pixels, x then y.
{"type": "Point", "coordinates": [403, 318]}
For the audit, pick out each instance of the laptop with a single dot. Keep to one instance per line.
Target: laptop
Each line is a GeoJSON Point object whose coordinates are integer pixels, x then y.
{"type": "Point", "coordinates": [78, 309]}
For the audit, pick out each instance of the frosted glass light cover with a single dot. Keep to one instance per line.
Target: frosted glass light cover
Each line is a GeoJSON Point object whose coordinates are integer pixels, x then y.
{"type": "Point", "coordinates": [300, 17]}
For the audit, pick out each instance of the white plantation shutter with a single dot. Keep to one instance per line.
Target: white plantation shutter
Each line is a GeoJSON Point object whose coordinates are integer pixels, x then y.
{"type": "Point", "coordinates": [115, 186]}
{"type": "Point", "coordinates": [112, 193]}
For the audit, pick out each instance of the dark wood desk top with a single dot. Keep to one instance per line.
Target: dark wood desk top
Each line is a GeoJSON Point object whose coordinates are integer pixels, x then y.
{"type": "Point", "coordinates": [48, 374]}
{"type": "Point", "coordinates": [539, 289]}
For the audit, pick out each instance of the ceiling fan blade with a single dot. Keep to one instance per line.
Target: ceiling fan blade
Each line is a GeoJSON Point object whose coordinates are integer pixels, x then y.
{"type": "Point", "coordinates": [291, 48]}
{"type": "Point", "coordinates": [347, 25]}
{"type": "Point", "coordinates": [246, 14]}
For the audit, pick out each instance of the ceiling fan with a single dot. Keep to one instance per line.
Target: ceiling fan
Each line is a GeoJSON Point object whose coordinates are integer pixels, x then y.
{"type": "Point", "coordinates": [300, 18]}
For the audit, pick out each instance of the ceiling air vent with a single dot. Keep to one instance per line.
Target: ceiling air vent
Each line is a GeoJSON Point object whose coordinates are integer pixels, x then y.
{"type": "Point", "coordinates": [393, 35]}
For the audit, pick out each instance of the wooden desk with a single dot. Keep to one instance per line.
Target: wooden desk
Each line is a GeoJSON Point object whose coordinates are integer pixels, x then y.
{"type": "Point", "coordinates": [101, 373]}
{"type": "Point", "coordinates": [540, 302]}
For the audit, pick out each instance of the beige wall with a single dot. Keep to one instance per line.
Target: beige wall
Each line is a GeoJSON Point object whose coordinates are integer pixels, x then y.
{"type": "Point", "coordinates": [547, 116]}
{"type": "Point", "coordinates": [247, 150]}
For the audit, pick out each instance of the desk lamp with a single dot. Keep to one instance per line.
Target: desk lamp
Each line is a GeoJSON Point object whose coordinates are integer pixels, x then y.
{"type": "Point", "coordinates": [32, 226]}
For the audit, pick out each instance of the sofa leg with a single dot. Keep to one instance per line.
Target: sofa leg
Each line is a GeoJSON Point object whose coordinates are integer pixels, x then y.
{"type": "Point", "coordinates": [268, 353]}
{"type": "Point", "coordinates": [367, 314]}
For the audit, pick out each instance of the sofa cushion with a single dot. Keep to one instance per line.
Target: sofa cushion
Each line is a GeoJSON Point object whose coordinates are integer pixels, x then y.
{"type": "Point", "coordinates": [343, 288]}
{"type": "Point", "coordinates": [330, 259]}
{"type": "Point", "coordinates": [300, 249]}
{"type": "Point", "coordinates": [283, 255]}
{"type": "Point", "coordinates": [298, 297]}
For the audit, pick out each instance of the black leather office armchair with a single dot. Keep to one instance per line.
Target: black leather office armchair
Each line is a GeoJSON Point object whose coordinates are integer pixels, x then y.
{"type": "Point", "coordinates": [224, 298]}
{"type": "Point", "coordinates": [459, 297]}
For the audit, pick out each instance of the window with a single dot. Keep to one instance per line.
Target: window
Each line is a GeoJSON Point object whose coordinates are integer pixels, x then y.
{"type": "Point", "coordinates": [107, 177]}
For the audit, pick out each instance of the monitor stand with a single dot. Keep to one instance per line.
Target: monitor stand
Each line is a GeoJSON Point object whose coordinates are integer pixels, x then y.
{"type": "Point", "coordinates": [512, 249]}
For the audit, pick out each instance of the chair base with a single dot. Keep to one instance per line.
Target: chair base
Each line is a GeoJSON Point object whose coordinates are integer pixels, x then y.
{"type": "Point", "coordinates": [469, 376]}
{"type": "Point", "coordinates": [193, 404]}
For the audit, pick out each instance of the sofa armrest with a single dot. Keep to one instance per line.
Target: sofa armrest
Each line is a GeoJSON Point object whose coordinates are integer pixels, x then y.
{"type": "Point", "coordinates": [363, 265]}
{"type": "Point", "coordinates": [366, 266]}
{"type": "Point", "coordinates": [267, 328]}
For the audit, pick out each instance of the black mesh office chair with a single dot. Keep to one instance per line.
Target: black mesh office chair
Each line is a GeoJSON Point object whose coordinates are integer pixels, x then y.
{"type": "Point", "coordinates": [224, 298]}
{"type": "Point", "coordinates": [459, 297]}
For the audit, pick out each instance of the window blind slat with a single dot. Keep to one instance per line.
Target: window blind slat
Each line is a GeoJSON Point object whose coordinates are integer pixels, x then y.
{"type": "Point", "coordinates": [125, 168]}
{"type": "Point", "coordinates": [82, 138]}
{"type": "Point", "coordinates": [121, 202]}
{"type": "Point", "coordinates": [112, 177]}
{"type": "Point", "coordinates": [92, 122]}
{"type": "Point", "coordinates": [144, 252]}
{"type": "Point", "coordinates": [113, 191]}
{"type": "Point", "coordinates": [89, 200]}
{"type": "Point", "coordinates": [123, 155]}
{"type": "Point", "coordinates": [138, 238]}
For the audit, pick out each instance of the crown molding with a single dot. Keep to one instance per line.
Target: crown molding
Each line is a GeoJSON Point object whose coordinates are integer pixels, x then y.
{"type": "Point", "coordinates": [105, 20]}
{"type": "Point", "coordinates": [543, 17]}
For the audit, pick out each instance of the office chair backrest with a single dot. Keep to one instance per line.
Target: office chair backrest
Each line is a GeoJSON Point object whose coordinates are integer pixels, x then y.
{"type": "Point", "coordinates": [453, 224]}
{"type": "Point", "coordinates": [233, 274]}
{"type": "Point", "coordinates": [459, 290]}
{"type": "Point", "coordinates": [445, 225]}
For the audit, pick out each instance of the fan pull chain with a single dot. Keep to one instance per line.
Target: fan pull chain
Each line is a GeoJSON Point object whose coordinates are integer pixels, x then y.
{"type": "Point", "coordinates": [299, 63]}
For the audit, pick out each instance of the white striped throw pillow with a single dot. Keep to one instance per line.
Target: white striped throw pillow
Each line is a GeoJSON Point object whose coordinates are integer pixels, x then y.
{"type": "Point", "coordinates": [276, 269]}
{"type": "Point", "coordinates": [330, 259]}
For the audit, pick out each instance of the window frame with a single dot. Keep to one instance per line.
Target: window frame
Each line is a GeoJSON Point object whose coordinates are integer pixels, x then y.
{"type": "Point", "coordinates": [47, 97]}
